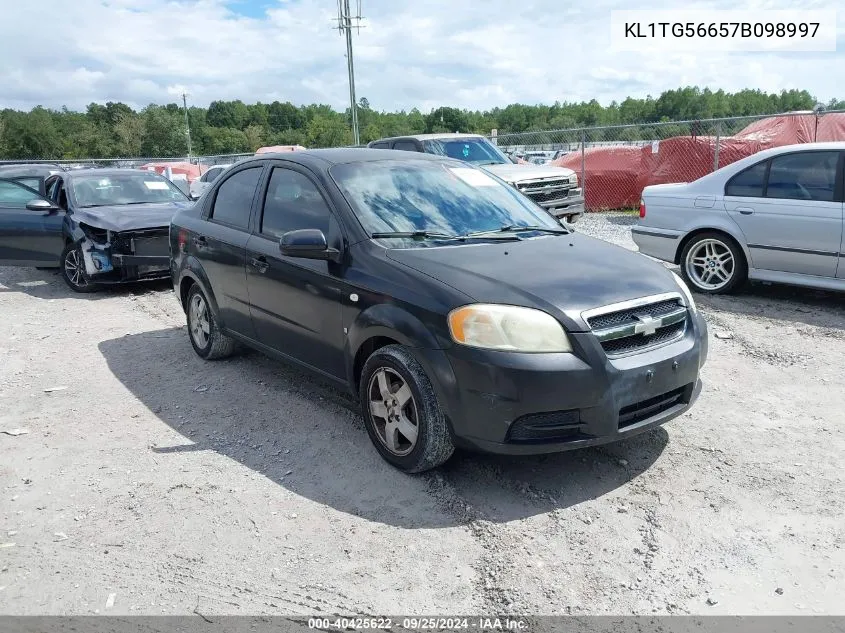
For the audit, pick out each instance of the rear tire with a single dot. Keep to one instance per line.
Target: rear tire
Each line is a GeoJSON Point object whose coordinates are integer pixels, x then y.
{"type": "Point", "coordinates": [572, 219]}
{"type": "Point", "coordinates": [72, 267]}
{"type": "Point", "coordinates": [206, 338]}
{"type": "Point", "coordinates": [713, 263]}
{"type": "Point", "coordinates": [401, 412]}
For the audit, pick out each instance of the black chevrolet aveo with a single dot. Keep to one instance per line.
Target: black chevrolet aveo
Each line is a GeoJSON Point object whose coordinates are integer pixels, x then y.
{"type": "Point", "coordinates": [459, 312]}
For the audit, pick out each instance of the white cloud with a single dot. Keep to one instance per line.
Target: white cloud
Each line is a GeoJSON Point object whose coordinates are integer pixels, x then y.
{"type": "Point", "coordinates": [411, 53]}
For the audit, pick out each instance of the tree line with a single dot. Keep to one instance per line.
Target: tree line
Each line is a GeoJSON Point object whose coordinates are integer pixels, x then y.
{"type": "Point", "coordinates": [114, 130]}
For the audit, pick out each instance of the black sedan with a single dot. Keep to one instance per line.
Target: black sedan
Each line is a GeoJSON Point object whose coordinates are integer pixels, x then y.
{"type": "Point", "coordinates": [99, 226]}
{"type": "Point", "coordinates": [458, 311]}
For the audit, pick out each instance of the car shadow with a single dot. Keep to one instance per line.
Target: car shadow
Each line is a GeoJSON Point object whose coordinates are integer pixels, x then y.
{"type": "Point", "coordinates": [308, 436]}
{"type": "Point", "coordinates": [794, 304]}
{"type": "Point", "coordinates": [47, 284]}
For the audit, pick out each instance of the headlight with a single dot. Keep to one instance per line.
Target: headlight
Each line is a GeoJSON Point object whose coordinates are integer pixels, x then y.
{"type": "Point", "coordinates": [510, 328]}
{"type": "Point", "coordinates": [685, 290]}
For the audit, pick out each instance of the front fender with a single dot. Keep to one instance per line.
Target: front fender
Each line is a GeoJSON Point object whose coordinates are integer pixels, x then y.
{"type": "Point", "coordinates": [391, 321]}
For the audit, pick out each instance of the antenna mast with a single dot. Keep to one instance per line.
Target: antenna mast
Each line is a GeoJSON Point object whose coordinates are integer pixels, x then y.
{"type": "Point", "coordinates": [346, 21]}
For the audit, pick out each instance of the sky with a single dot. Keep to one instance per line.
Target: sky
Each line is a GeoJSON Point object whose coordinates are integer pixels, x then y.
{"type": "Point", "coordinates": [474, 54]}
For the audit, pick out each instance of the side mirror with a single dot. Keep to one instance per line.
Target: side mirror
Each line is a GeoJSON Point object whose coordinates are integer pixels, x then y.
{"type": "Point", "coordinates": [41, 205]}
{"type": "Point", "coordinates": [307, 244]}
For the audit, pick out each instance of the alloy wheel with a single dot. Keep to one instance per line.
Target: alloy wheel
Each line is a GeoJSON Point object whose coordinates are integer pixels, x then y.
{"type": "Point", "coordinates": [710, 264]}
{"type": "Point", "coordinates": [199, 322]}
{"type": "Point", "coordinates": [394, 411]}
{"type": "Point", "coordinates": [73, 268]}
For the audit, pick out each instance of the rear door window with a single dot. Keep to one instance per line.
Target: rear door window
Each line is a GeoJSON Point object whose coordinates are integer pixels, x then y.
{"type": "Point", "coordinates": [233, 201]}
{"type": "Point", "coordinates": [749, 182]}
{"type": "Point", "coordinates": [803, 176]}
{"type": "Point", "coordinates": [408, 146]}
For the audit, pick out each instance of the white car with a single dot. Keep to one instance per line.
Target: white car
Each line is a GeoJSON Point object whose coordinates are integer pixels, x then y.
{"type": "Point", "coordinates": [202, 183]}
{"type": "Point", "coordinates": [776, 216]}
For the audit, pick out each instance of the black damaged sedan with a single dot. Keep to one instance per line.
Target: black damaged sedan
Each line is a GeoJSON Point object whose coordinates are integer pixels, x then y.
{"type": "Point", "coordinates": [460, 313]}
{"type": "Point", "coordinates": [98, 226]}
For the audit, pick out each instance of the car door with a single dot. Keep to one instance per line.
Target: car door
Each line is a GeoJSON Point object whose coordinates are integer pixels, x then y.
{"type": "Point", "coordinates": [28, 236]}
{"type": "Point", "coordinates": [221, 246]}
{"type": "Point", "coordinates": [790, 211]}
{"type": "Point", "coordinates": [295, 302]}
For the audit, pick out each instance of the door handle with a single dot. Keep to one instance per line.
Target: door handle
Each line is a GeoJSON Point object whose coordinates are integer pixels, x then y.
{"type": "Point", "coordinates": [260, 263]}
{"type": "Point", "coordinates": [745, 210]}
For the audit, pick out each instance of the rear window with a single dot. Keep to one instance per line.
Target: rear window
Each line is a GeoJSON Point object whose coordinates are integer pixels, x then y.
{"type": "Point", "coordinates": [748, 183]}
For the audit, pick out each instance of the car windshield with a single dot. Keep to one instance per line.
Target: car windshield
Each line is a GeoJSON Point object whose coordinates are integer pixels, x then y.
{"type": "Point", "coordinates": [123, 189]}
{"type": "Point", "coordinates": [479, 151]}
{"type": "Point", "coordinates": [445, 198]}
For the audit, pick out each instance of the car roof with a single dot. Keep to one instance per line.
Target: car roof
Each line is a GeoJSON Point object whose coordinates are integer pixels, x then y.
{"type": "Point", "coordinates": [107, 171]}
{"type": "Point", "coordinates": [325, 158]}
{"type": "Point", "coordinates": [29, 169]}
{"type": "Point", "coordinates": [433, 136]}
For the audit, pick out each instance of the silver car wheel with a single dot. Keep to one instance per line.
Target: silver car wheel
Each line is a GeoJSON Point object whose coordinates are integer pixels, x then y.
{"type": "Point", "coordinates": [73, 268]}
{"type": "Point", "coordinates": [710, 264]}
{"type": "Point", "coordinates": [198, 321]}
{"type": "Point", "coordinates": [394, 411]}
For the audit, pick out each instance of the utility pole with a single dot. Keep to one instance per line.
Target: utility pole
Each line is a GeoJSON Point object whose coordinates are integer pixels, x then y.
{"type": "Point", "coordinates": [345, 21]}
{"type": "Point", "coordinates": [187, 125]}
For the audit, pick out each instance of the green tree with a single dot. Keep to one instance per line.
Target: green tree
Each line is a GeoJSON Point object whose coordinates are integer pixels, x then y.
{"type": "Point", "coordinates": [164, 133]}
{"type": "Point", "coordinates": [323, 131]}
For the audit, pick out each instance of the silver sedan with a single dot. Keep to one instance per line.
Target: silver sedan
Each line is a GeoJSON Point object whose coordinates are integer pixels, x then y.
{"type": "Point", "coordinates": [776, 216]}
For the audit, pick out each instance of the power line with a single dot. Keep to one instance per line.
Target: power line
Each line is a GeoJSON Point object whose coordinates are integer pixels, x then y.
{"type": "Point", "coordinates": [345, 23]}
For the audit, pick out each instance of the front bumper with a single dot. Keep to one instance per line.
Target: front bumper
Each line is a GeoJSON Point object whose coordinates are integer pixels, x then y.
{"type": "Point", "coordinates": [566, 207]}
{"type": "Point", "coordinates": [497, 401]}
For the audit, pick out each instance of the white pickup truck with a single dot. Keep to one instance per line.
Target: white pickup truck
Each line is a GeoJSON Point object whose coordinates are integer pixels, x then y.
{"type": "Point", "coordinates": [556, 189]}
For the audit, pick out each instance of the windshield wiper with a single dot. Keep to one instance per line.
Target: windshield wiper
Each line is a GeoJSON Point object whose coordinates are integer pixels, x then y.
{"type": "Point", "coordinates": [519, 228]}
{"type": "Point", "coordinates": [419, 235]}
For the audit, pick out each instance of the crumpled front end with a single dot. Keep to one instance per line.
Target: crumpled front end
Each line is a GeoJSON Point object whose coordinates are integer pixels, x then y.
{"type": "Point", "coordinates": [115, 257]}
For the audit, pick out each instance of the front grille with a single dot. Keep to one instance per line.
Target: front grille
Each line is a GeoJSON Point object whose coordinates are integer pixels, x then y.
{"type": "Point", "coordinates": [645, 409]}
{"type": "Point", "coordinates": [148, 242]}
{"type": "Point", "coordinates": [553, 196]}
{"type": "Point", "coordinates": [554, 426]}
{"type": "Point", "coordinates": [640, 327]}
{"type": "Point", "coordinates": [637, 342]}
{"type": "Point", "coordinates": [624, 317]}
{"type": "Point", "coordinates": [545, 191]}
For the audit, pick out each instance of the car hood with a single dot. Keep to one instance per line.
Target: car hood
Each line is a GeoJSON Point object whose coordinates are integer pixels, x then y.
{"type": "Point", "coordinates": [130, 217]}
{"type": "Point", "coordinates": [517, 173]}
{"type": "Point", "coordinates": [562, 275]}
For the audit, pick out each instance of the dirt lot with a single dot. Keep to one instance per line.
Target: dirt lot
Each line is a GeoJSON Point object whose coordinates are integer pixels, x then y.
{"type": "Point", "coordinates": [154, 482]}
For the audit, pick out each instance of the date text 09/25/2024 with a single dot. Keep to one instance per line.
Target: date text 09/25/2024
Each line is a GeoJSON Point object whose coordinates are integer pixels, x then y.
{"type": "Point", "coordinates": [480, 623]}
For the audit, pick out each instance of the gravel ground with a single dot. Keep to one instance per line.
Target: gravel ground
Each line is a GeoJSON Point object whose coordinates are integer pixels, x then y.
{"type": "Point", "coordinates": [153, 482]}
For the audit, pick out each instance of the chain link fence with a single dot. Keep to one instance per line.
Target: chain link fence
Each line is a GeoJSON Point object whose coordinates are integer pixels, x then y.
{"type": "Point", "coordinates": [615, 163]}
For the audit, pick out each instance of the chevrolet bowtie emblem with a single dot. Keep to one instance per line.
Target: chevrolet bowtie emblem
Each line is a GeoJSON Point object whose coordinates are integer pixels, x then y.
{"type": "Point", "coordinates": [647, 324]}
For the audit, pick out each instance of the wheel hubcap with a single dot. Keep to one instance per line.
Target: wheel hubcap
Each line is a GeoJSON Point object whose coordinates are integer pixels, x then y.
{"type": "Point", "coordinates": [73, 268]}
{"type": "Point", "coordinates": [394, 411]}
{"type": "Point", "coordinates": [198, 321]}
{"type": "Point", "coordinates": [710, 264]}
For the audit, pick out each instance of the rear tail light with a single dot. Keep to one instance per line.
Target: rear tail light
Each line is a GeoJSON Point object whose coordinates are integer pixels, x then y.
{"type": "Point", "coordinates": [642, 208]}
{"type": "Point", "coordinates": [183, 239]}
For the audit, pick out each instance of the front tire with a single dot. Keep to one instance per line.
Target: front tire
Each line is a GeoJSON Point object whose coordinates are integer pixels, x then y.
{"type": "Point", "coordinates": [206, 338]}
{"type": "Point", "coordinates": [401, 412]}
{"type": "Point", "coordinates": [712, 263]}
{"type": "Point", "coordinates": [72, 267]}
